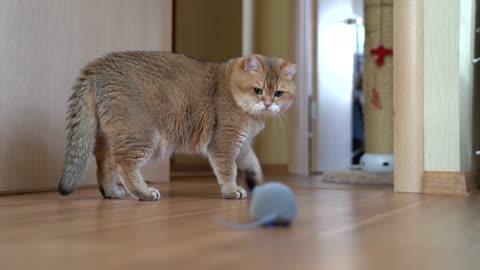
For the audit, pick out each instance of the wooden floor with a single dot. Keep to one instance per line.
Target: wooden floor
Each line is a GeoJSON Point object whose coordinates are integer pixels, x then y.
{"type": "Point", "coordinates": [339, 227]}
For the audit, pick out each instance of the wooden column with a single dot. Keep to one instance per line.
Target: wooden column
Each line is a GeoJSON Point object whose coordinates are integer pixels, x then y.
{"type": "Point", "coordinates": [408, 95]}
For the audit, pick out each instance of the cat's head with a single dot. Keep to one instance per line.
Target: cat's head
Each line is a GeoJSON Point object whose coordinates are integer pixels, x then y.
{"type": "Point", "coordinates": [263, 85]}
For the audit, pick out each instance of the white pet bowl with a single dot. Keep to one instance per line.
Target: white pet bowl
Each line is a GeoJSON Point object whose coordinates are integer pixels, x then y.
{"type": "Point", "coordinates": [377, 163]}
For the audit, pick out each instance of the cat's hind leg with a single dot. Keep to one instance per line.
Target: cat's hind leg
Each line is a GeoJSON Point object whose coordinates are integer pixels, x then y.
{"type": "Point", "coordinates": [133, 181]}
{"type": "Point", "coordinates": [107, 177]}
{"type": "Point", "coordinates": [131, 150]}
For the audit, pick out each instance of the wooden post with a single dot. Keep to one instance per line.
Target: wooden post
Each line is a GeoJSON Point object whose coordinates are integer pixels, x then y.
{"type": "Point", "coordinates": [408, 95]}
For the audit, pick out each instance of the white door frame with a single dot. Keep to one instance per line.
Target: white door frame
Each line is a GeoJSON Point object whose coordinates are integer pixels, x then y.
{"type": "Point", "coordinates": [301, 42]}
{"type": "Point", "coordinates": [408, 98]}
{"type": "Point", "coordinates": [408, 92]}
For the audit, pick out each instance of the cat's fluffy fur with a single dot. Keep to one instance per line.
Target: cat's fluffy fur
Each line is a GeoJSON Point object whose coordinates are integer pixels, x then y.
{"type": "Point", "coordinates": [130, 107]}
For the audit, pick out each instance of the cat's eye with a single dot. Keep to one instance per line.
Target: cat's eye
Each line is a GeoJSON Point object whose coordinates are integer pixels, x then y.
{"type": "Point", "coordinates": [258, 91]}
{"type": "Point", "coordinates": [278, 93]}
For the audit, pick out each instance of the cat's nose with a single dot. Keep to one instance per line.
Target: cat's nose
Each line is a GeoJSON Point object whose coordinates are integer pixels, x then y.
{"type": "Point", "coordinates": [267, 105]}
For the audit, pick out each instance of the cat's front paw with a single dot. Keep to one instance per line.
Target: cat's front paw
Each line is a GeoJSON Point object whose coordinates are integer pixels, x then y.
{"type": "Point", "coordinates": [235, 193]}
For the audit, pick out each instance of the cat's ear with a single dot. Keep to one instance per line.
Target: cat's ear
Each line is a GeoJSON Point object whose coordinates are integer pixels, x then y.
{"type": "Point", "coordinates": [252, 64]}
{"type": "Point", "coordinates": [289, 71]}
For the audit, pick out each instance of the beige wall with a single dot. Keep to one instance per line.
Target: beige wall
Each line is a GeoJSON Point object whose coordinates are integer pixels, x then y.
{"type": "Point", "coordinates": [448, 50]}
{"type": "Point", "coordinates": [208, 30]}
{"type": "Point", "coordinates": [43, 46]}
{"type": "Point", "coordinates": [271, 38]}
{"type": "Point", "coordinates": [442, 111]}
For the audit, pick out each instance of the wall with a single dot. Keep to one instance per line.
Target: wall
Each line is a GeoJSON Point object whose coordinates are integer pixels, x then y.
{"type": "Point", "coordinates": [448, 50]}
{"type": "Point", "coordinates": [271, 38]}
{"type": "Point", "coordinates": [441, 94]}
{"type": "Point", "coordinates": [208, 30]}
{"type": "Point", "coordinates": [43, 46]}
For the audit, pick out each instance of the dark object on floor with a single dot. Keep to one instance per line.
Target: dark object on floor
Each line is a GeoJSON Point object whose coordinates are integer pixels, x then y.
{"type": "Point", "coordinates": [251, 179]}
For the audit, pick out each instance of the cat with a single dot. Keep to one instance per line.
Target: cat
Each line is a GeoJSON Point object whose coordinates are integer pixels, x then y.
{"type": "Point", "coordinates": [131, 107]}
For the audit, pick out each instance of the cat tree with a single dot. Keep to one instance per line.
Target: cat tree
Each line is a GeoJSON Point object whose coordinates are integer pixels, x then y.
{"type": "Point", "coordinates": [378, 87]}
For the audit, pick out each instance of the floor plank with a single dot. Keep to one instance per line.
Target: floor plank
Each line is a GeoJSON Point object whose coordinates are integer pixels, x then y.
{"type": "Point", "coordinates": [339, 227]}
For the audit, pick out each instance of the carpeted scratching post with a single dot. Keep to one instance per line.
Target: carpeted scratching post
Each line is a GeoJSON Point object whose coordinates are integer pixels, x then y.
{"type": "Point", "coordinates": [377, 162]}
{"type": "Point", "coordinates": [378, 87]}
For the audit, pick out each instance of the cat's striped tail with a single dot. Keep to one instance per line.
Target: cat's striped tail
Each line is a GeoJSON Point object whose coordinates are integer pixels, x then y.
{"type": "Point", "coordinates": [81, 129]}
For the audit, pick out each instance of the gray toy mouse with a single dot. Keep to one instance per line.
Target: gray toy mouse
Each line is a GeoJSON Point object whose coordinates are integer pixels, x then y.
{"type": "Point", "coordinates": [272, 204]}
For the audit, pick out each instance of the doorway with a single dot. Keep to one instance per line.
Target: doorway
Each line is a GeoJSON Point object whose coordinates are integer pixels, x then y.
{"type": "Point", "coordinates": [337, 98]}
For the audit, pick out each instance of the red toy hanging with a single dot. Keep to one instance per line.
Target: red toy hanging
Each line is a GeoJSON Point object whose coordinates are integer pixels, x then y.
{"type": "Point", "coordinates": [381, 52]}
{"type": "Point", "coordinates": [377, 103]}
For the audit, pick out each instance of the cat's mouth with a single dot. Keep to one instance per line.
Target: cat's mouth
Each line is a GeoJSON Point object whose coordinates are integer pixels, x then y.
{"type": "Point", "coordinates": [262, 109]}
{"type": "Point", "coordinates": [272, 109]}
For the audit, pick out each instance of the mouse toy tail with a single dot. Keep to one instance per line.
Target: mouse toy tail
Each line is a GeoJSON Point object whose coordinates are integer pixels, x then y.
{"type": "Point", "coordinates": [266, 220]}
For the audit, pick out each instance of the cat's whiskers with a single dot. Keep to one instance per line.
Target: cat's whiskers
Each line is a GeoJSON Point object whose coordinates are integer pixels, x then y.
{"type": "Point", "coordinates": [275, 120]}
{"type": "Point", "coordinates": [253, 111]}
{"type": "Point", "coordinates": [281, 121]}
{"type": "Point", "coordinates": [283, 116]}
{"type": "Point", "coordinates": [278, 116]}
